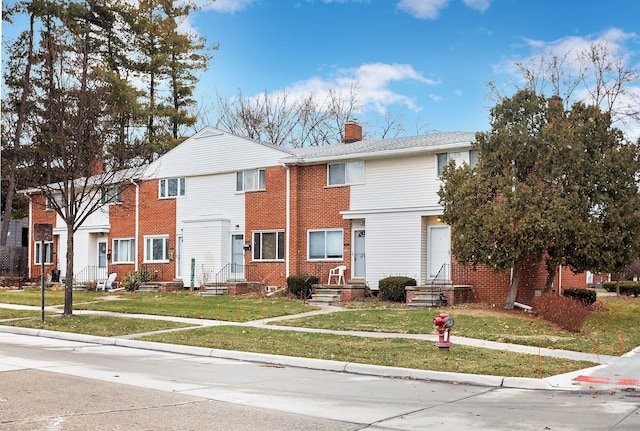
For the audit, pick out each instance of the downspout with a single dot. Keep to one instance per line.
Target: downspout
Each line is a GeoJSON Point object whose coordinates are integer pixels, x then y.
{"type": "Point", "coordinates": [137, 223]}
{"type": "Point", "coordinates": [288, 223]}
{"type": "Point", "coordinates": [560, 280]}
{"type": "Point", "coordinates": [30, 227]}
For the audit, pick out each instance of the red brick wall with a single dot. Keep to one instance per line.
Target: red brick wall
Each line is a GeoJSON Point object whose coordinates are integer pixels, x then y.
{"type": "Point", "coordinates": [41, 215]}
{"type": "Point", "coordinates": [313, 206]}
{"type": "Point", "coordinates": [317, 207]}
{"type": "Point", "coordinates": [122, 221]}
{"type": "Point", "coordinates": [491, 287]}
{"type": "Point", "coordinates": [266, 210]}
{"type": "Point", "coordinates": [157, 217]}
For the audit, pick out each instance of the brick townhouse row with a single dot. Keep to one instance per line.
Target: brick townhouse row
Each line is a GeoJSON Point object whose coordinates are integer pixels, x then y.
{"type": "Point", "coordinates": [219, 201]}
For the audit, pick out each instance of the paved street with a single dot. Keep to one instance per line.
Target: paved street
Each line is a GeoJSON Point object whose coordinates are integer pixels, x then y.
{"type": "Point", "coordinates": [60, 384]}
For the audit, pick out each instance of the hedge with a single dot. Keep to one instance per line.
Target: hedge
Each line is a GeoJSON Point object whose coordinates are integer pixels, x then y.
{"type": "Point", "coordinates": [300, 285]}
{"type": "Point", "coordinates": [392, 288]}
{"type": "Point", "coordinates": [585, 296]}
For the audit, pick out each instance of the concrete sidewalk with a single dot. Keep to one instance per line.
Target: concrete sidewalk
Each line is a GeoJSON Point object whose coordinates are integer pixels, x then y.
{"type": "Point", "coordinates": [613, 373]}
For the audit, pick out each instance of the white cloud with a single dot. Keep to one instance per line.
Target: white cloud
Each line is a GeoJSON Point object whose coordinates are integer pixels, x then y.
{"type": "Point", "coordinates": [423, 9]}
{"type": "Point", "coordinates": [435, 97]}
{"type": "Point", "coordinates": [570, 51]}
{"type": "Point", "coordinates": [480, 5]}
{"type": "Point", "coordinates": [430, 9]}
{"type": "Point", "coordinates": [373, 81]}
{"type": "Point", "coordinates": [225, 6]}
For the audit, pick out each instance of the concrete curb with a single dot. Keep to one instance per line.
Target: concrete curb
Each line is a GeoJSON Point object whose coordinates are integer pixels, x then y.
{"type": "Point", "coordinates": [279, 360]}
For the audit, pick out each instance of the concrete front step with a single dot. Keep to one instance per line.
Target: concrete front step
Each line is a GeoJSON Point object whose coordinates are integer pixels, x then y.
{"type": "Point", "coordinates": [325, 296]}
{"type": "Point", "coordinates": [214, 291]}
{"type": "Point", "coordinates": [427, 300]}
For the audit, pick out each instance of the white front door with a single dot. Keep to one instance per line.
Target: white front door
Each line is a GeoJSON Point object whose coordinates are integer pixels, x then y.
{"type": "Point", "coordinates": [101, 273]}
{"type": "Point", "coordinates": [359, 262]}
{"type": "Point", "coordinates": [237, 256]}
{"type": "Point", "coordinates": [439, 250]}
{"type": "Point", "coordinates": [178, 256]}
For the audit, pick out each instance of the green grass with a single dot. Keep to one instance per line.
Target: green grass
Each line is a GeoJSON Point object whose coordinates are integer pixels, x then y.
{"type": "Point", "coordinates": [103, 326]}
{"type": "Point", "coordinates": [610, 332]}
{"type": "Point", "coordinates": [180, 304]}
{"type": "Point", "coordinates": [404, 353]}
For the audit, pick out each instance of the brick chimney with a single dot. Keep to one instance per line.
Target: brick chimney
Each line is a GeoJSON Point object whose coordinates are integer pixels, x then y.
{"type": "Point", "coordinates": [97, 167]}
{"type": "Point", "coordinates": [352, 132]}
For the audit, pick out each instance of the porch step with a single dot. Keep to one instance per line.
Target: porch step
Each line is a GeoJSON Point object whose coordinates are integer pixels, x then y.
{"type": "Point", "coordinates": [427, 299]}
{"type": "Point", "coordinates": [325, 296]}
{"type": "Point", "coordinates": [213, 290]}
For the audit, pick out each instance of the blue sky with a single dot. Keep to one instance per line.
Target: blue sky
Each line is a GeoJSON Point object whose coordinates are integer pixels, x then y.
{"type": "Point", "coordinates": [429, 59]}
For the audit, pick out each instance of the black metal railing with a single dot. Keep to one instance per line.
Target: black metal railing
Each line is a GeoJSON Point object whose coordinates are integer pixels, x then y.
{"type": "Point", "coordinates": [234, 272]}
{"type": "Point", "coordinates": [441, 279]}
{"type": "Point", "coordinates": [90, 274]}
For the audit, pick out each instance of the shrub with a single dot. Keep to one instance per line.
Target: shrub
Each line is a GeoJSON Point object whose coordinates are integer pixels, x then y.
{"type": "Point", "coordinates": [629, 288]}
{"type": "Point", "coordinates": [568, 313]}
{"type": "Point", "coordinates": [587, 297]}
{"type": "Point", "coordinates": [392, 288]}
{"type": "Point", "coordinates": [300, 284]}
{"type": "Point", "coordinates": [609, 286]}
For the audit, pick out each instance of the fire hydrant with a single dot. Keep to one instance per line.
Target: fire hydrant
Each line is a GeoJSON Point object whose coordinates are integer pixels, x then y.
{"type": "Point", "coordinates": [444, 323]}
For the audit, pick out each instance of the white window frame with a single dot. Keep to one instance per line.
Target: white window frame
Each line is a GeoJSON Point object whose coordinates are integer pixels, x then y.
{"type": "Point", "coordinates": [164, 189]}
{"type": "Point", "coordinates": [111, 195]}
{"type": "Point", "coordinates": [131, 249]}
{"type": "Point", "coordinates": [48, 252]}
{"type": "Point", "coordinates": [148, 248]}
{"type": "Point", "coordinates": [258, 252]}
{"type": "Point", "coordinates": [251, 180]}
{"type": "Point", "coordinates": [460, 157]}
{"type": "Point", "coordinates": [342, 174]}
{"type": "Point", "coordinates": [57, 197]}
{"type": "Point", "coordinates": [326, 254]}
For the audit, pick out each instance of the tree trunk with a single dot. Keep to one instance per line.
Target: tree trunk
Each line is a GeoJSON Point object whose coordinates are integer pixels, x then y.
{"type": "Point", "coordinates": [513, 287]}
{"type": "Point", "coordinates": [68, 284]}
{"type": "Point", "coordinates": [551, 275]}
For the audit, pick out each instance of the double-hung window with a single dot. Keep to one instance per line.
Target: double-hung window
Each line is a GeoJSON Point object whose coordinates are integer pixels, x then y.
{"type": "Point", "coordinates": [48, 252]}
{"type": "Point", "coordinates": [325, 244]}
{"type": "Point", "coordinates": [110, 195]}
{"type": "Point", "coordinates": [339, 174]}
{"type": "Point", "coordinates": [460, 157]}
{"type": "Point", "coordinates": [123, 250]}
{"type": "Point", "coordinates": [156, 248]}
{"type": "Point", "coordinates": [254, 179]}
{"type": "Point", "coordinates": [268, 245]}
{"type": "Point", "coordinates": [171, 187]}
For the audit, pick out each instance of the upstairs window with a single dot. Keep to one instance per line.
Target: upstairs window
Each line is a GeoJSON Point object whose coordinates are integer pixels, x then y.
{"type": "Point", "coordinates": [251, 180]}
{"type": "Point", "coordinates": [339, 174]}
{"type": "Point", "coordinates": [171, 187]}
{"type": "Point", "coordinates": [460, 157]}
{"type": "Point", "coordinates": [110, 195]}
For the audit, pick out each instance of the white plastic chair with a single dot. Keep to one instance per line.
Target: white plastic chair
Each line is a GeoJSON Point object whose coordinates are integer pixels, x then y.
{"type": "Point", "coordinates": [338, 274]}
{"type": "Point", "coordinates": [109, 283]}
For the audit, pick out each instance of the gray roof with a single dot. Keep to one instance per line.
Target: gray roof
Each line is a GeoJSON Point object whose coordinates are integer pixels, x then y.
{"type": "Point", "coordinates": [381, 147]}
